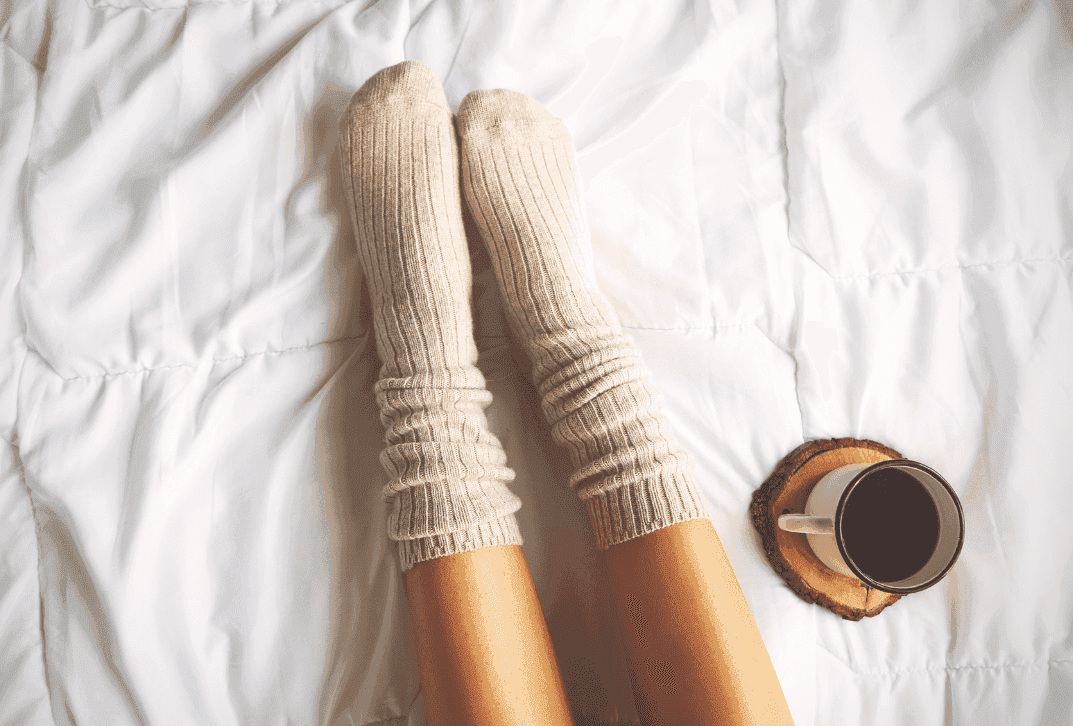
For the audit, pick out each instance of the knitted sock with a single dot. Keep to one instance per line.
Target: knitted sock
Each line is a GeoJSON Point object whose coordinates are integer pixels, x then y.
{"type": "Point", "coordinates": [519, 180]}
{"type": "Point", "coordinates": [447, 470]}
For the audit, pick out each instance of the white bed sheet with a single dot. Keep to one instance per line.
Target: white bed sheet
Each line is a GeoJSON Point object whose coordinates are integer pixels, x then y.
{"type": "Point", "coordinates": [817, 218]}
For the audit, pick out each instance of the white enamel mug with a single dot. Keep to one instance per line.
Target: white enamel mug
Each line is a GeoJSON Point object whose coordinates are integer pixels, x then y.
{"type": "Point", "coordinates": [823, 523]}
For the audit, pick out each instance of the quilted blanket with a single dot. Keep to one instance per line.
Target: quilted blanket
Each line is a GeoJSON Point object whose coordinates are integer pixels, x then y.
{"type": "Point", "coordinates": [816, 218]}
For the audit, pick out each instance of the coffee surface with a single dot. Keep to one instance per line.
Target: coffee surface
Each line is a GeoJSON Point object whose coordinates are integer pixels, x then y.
{"type": "Point", "coordinates": [890, 525]}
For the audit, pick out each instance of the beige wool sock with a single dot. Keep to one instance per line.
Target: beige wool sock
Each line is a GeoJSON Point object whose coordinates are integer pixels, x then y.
{"type": "Point", "coordinates": [520, 182]}
{"type": "Point", "coordinates": [447, 473]}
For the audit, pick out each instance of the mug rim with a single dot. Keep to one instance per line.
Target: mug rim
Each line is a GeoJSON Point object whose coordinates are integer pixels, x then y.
{"type": "Point", "coordinates": [857, 478]}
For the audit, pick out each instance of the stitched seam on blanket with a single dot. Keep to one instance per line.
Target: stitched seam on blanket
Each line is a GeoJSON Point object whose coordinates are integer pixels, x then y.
{"type": "Point", "coordinates": [213, 361]}
{"type": "Point", "coordinates": [41, 579]}
{"type": "Point", "coordinates": [955, 669]}
{"type": "Point", "coordinates": [784, 84]}
{"type": "Point", "coordinates": [187, 4]}
{"type": "Point", "coordinates": [692, 327]}
{"type": "Point", "coordinates": [727, 326]}
{"type": "Point", "coordinates": [1001, 263]}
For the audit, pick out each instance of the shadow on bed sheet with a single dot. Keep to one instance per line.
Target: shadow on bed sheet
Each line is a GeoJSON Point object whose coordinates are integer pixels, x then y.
{"type": "Point", "coordinates": [371, 674]}
{"type": "Point", "coordinates": [1064, 8]}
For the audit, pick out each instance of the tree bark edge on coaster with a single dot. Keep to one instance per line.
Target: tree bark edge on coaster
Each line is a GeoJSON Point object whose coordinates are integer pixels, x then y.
{"type": "Point", "coordinates": [785, 492]}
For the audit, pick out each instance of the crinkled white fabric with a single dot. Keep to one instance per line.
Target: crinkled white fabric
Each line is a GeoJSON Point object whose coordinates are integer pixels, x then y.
{"type": "Point", "coordinates": [817, 218]}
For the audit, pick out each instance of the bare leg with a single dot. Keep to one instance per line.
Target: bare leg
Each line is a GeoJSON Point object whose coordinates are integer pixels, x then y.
{"type": "Point", "coordinates": [696, 655]}
{"type": "Point", "coordinates": [485, 653]}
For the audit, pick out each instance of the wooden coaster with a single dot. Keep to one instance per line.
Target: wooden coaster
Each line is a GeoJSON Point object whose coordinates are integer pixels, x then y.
{"type": "Point", "coordinates": [785, 492]}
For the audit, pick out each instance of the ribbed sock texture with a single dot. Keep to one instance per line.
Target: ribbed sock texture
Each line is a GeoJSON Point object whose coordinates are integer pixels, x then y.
{"type": "Point", "coordinates": [519, 180]}
{"type": "Point", "coordinates": [447, 474]}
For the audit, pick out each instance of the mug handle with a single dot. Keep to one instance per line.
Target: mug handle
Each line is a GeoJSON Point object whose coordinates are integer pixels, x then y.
{"type": "Point", "coordinates": [807, 524]}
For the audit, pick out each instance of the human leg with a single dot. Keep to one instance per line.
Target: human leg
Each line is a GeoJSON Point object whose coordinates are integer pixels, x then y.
{"type": "Point", "coordinates": [482, 642]}
{"type": "Point", "coordinates": [696, 655]}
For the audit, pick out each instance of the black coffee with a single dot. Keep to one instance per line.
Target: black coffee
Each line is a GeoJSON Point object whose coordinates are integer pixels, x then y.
{"type": "Point", "coordinates": [890, 525]}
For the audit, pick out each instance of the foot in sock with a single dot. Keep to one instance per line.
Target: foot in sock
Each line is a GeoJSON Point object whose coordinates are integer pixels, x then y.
{"type": "Point", "coordinates": [520, 182]}
{"type": "Point", "coordinates": [447, 472]}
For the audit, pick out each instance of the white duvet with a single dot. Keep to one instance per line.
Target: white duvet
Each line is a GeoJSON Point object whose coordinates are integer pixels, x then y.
{"type": "Point", "coordinates": [817, 218]}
